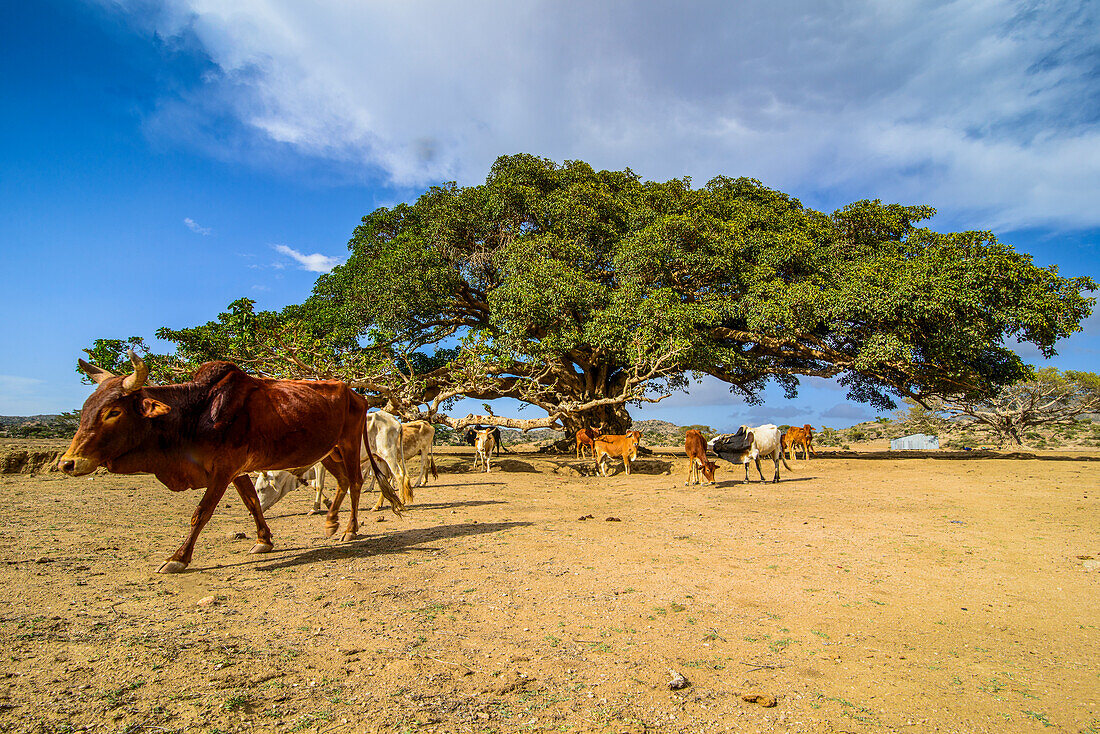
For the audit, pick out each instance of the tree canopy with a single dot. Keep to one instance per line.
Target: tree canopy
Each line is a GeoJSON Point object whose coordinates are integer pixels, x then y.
{"type": "Point", "coordinates": [581, 291]}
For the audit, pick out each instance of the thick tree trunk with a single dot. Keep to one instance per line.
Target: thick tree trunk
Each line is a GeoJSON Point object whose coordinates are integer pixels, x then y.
{"type": "Point", "coordinates": [609, 419]}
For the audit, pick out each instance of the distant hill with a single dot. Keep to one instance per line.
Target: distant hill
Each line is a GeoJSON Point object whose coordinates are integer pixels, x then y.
{"type": "Point", "coordinates": [39, 426]}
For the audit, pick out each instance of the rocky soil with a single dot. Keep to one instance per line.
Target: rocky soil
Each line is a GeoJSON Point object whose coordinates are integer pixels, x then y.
{"type": "Point", "coordinates": [857, 595]}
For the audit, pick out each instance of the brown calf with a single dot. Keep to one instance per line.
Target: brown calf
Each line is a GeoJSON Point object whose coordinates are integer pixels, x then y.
{"type": "Point", "coordinates": [617, 447]}
{"type": "Point", "coordinates": [585, 437]}
{"type": "Point", "coordinates": [484, 443]}
{"type": "Point", "coordinates": [696, 447]}
{"type": "Point", "coordinates": [799, 436]}
{"type": "Point", "coordinates": [211, 431]}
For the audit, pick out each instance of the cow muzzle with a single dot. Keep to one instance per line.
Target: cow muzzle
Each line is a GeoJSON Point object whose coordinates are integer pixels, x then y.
{"type": "Point", "coordinates": [76, 466]}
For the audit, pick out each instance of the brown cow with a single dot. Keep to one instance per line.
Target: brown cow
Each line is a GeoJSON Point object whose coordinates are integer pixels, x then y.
{"type": "Point", "coordinates": [585, 436]}
{"type": "Point", "coordinates": [795, 437]}
{"type": "Point", "coordinates": [696, 447]}
{"type": "Point", "coordinates": [213, 430]}
{"type": "Point", "coordinates": [616, 447]}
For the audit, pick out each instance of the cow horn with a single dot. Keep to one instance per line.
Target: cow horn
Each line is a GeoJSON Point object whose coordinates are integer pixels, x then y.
{"type": "Point", "coordinates": [97, 374]}
{"type": "Point", "coordinates": [133, 382]}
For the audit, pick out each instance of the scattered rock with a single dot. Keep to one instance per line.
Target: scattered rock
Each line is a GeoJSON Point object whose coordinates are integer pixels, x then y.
{"type": "Point", "coordinates": [237, 535]}
{"type": "Point", "coordinates": [761, 698]}
{"type": "Point", "coordinates": [678, 681]}
{"type": "Point", "coordinates": [1091, 565]}
{"type": "Point", "coordinates": [208, 601]}
{"type": "Point", "coordinates": [613, 519]}
{"type": "Point", "coordinates": [43, 559]}
{"type": "Point", "coordinates": [380, 518]}
{"type": "Point", "coordinates": [586, 517]}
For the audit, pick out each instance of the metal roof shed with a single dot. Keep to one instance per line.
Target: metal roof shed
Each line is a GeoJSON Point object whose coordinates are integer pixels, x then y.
{"type": "Point", "coordinates": [916, 442]}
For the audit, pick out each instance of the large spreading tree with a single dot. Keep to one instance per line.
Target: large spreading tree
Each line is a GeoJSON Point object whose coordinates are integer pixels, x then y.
{"type": "Point", "coordinates": [581, 292]}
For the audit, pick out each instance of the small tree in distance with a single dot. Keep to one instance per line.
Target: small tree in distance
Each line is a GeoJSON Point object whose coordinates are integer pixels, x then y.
{"type": "Point", "coordinates": [1051, 397]}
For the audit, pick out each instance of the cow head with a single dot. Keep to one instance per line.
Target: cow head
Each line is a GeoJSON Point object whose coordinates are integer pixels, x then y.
{"type": "Point", "coordinates": [113, 420]}
{"type": "Point", "coordinates": [708, 470]}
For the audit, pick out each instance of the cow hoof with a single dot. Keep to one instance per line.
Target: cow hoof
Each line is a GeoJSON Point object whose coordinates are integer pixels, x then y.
{"type": "Point", "coordinates": [350, 536]}
{"type": "Point", "coordinates": [172, 567]}
{"type": "Point", "coordinates": [262, 548]}
{"type": "Point", "coordinates": [330, 531]}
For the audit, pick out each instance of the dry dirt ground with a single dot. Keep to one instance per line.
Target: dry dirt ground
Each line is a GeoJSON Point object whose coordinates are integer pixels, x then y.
{"type": "Point", "coordinates": [864, 595]}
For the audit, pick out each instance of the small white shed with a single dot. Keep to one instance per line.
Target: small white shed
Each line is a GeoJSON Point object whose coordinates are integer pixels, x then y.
{"type": "Point", "coordinates": [916, 442]}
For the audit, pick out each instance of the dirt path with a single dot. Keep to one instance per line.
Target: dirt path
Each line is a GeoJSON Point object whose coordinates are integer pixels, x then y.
{"type": "Point", "coordinates": [887, 595]}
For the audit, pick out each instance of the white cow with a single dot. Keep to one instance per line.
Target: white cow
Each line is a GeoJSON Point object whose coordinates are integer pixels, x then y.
{"type": "Point", "coordinates": [418, 437]}
{"type": "Point", "coordinates": [385, 436]}
{"type": "Point", "coordinates": [751, 444]}
{"type": "Point", "coordinates": [272, 486]}
{"type": "Point", "coordinates": [483, 447]}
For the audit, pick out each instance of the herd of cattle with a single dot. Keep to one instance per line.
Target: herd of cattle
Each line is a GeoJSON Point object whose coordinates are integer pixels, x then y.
{"type": "Point", "coordinates": [224, 426]}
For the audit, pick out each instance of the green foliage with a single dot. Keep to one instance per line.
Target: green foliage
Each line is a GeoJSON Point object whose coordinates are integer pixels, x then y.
{"type": "Point", "coordinates": [705, 430]}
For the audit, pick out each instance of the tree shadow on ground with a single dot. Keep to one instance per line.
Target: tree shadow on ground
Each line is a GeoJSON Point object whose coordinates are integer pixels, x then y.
{"type": "Point", "coordinates": [641, 466]}
{"type": "Point", "coordinates": [396, 542]}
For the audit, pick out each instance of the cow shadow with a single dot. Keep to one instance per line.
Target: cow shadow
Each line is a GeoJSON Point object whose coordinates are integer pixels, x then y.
{"type": "Point", "coordinates": [397, 542]}
{"type": "Point", "coordinates": [452, 505]}
{"type": "Point", "coordinates": [757, 482]}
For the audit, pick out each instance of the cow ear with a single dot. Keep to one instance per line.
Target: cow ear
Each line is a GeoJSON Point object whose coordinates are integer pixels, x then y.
{"type": "Point", "coordinates": [153, 408]}
{"type": "Point", "coordinates": [749, 437]}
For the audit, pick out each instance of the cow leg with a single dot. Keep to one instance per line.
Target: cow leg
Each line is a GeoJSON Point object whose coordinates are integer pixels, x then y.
{"type": "Point", "coordinates": [319, 497]}
{"type": "Point", "coordinates": [179, 560]}
{"type": "Point", "coordinates": [247, 491]}
{"type": "Point", "coordinates": [760, 471]}
{"type": "Point", "coordinates": [776, 480]}
{"type": "Point", "coordinates": [746, 472]}
{"type": "Point", "coordinates": [332, 517]}
{"type": "Point", "coordinates": [626, 464]}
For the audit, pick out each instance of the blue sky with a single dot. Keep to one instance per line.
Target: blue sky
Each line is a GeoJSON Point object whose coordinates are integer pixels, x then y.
{"type": "Point", "coordinates": [159, 159]}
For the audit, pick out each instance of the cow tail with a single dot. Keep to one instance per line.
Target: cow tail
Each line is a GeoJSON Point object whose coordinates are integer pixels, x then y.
{"type": "Point", "coordinates": [783, 456]}
{"type": "Point", "coordinates": [406, 485]}
{"type": "Point", "coordinates": [431, 459]}
{"type": "Point", "coordinates": [383, 484]}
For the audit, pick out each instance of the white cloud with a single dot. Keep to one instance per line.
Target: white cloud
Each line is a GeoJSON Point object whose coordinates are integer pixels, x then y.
{"type": "Point", "coordinates": [985, 109]}
{"type": "Point", "coordinates": [847, 411]}
{"type": "Point", "coordinates": [315, 263]}
{"type": "Point", "coordinates": [195, 226]}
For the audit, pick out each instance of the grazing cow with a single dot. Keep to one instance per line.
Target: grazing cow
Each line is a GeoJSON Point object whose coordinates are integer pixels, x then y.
{"type": "Point", "coordinates": [483, 447]}
{"type": "Point", "coordinates": [623, 447]}
{"type": "Point", "coordinates": [272, 486]}
{"type": "Point", "coordinates": [470, 437]}
{"type": "Point", "coordinates": [585, 437]}
{"type": "Point", "coordinates": [750, 444]}
{"type": "Point", "coordinates": [382, 432]}
{"type": "Point", "coordinates": [418, 437]}
{"type": "Point", "coordinates": [696, 447]}
{"type": "Point", "coordinates": [795, 437]}
{"type": "Point", "coordinates": [211, 431]}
